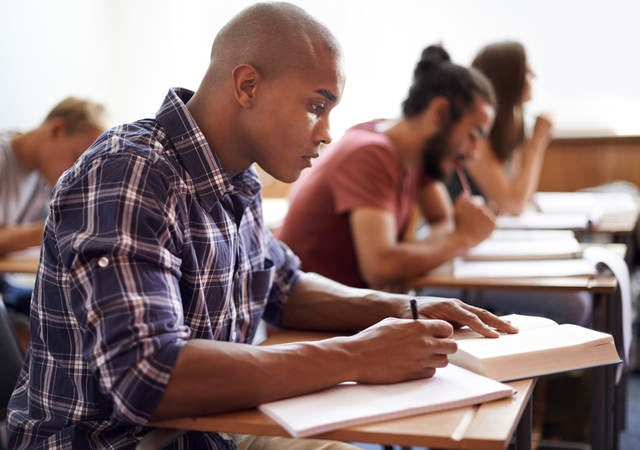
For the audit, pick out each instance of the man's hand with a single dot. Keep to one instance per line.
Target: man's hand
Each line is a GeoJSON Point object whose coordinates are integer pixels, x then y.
{"type": "Point", "coordinates": [474, 221]}
{"type": "Point", "coordinates": [459, 314]}
{"type": "Point", "coordinates": [395, 350]}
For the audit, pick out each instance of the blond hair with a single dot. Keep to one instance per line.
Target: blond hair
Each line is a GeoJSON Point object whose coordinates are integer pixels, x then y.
{"type": "Point", "coordinates": [79, 115]}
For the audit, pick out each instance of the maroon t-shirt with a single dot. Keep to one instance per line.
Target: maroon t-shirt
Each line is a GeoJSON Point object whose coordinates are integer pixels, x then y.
{"type": "Point", "coordinates": [360, 170]}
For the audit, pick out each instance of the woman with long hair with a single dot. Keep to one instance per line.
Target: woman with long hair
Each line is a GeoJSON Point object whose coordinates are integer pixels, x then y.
{"type": "Point", "coordinates": [507, 169]}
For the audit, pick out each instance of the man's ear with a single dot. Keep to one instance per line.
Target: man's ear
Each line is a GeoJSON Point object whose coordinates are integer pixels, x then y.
{"type": "Point", "coordinates": [439, 110]}
{"type": "Point", "coordinates": [56, 127]}
{"type": "Point", "coordinates": [245, 83]}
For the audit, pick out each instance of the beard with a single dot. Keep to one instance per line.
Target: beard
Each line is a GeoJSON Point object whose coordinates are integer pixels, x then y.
{"type": "Point", "coordinates": [435, 151]}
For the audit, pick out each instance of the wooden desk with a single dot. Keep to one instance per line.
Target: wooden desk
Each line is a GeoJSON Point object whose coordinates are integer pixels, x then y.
{"type": "Point", "coordinates": [487, 426]}
{"type": "Point", "coordinates": [608, 401]}
{"type": "Point", "coordinates": [20, 262]}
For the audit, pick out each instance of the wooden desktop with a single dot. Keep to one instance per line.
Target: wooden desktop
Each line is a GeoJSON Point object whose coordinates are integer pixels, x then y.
{"type": "Point", "coordinates": [488, 426]}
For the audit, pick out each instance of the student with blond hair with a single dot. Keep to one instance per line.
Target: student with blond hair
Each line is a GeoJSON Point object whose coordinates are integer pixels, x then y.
{"type": "Point", "coordinates": [30, 164]}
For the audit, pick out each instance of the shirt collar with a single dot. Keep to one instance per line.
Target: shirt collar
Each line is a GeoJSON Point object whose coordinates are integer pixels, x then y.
{"type": "Point", "coordinates": [197, 157]}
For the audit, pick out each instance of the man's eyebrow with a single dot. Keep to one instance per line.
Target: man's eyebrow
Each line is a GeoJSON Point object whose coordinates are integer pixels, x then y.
{"type": "Point", "coordinates": [327, 94]}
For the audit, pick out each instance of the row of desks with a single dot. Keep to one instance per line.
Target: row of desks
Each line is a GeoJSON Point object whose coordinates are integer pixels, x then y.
{"type": "Point", "coordinates": [488, 426]}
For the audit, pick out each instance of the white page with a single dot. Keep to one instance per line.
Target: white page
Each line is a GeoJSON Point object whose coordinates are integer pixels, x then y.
{"type": "Point", "coordinates": [597, 206]}
{"type": "Point", "coordinates": [518, 269]}
{"type": "Point", "coordinates": [526, 249]}
{"type": "Point", "coordinates": [538, 220]}
{"type": "Point", "coordinates": [531, 340]}
{"type": "Point", "coordinates": [521, 321]}
{"type": "Point", "coordinates": [350, 404]}
{"type": "Point", "coordinates": [531, 235]}
{"type": "Point", "coordinates": [584, 202]}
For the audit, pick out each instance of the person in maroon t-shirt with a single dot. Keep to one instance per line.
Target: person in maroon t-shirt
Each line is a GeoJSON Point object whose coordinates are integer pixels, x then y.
{"type": "Point", "coordinates": [348, 214]}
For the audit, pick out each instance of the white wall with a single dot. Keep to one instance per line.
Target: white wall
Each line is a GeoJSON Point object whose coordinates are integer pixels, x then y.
{"type": "Point", "coordinates": [127, 53]}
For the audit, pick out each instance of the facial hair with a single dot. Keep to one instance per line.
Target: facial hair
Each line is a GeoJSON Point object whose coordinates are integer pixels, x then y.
{"type": "Point", "coordinates": [435, 151]}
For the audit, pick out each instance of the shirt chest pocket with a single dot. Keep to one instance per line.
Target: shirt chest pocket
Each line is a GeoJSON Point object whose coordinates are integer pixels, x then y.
{"type": "Point", "coordinates": [252, 289]}
{"type": "Point", "coordinates": [260, 282]}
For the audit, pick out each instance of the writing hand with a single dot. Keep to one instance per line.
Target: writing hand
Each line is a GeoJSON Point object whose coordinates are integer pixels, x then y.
{"type": "Point", "coordinates": [395, 350]}
{"type": "Point", "coordinates": [473, 219]}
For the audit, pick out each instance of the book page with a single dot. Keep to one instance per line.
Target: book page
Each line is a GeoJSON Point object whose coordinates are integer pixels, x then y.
{"type": "Point", "coordinates": [521, 321]}
{"type": "Point", "coordinates": [530, 340]}
{"type": "Point", "coordinates": [537, 220]}
{"type": "Point", "coordinates": [496, 249]}
{"type": "Point", "coordinates": [597, 203]}
{"type": "Point", "coordinates": [350, 404]}
{"type": "Point", "coordinates": [535, 352]}
{"type": "Point", "coordinates": [531, 235]}
{"type": "Point", "coordinates": [522, 269]}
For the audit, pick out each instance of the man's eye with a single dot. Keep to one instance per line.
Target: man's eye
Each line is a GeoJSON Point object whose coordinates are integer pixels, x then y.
{"type": "Point", "coordinates": [317, 108]}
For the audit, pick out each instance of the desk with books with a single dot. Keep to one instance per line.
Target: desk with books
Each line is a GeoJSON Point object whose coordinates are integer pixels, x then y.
{"type": "Point", "coordinates": [487, 426]}
{"type": "Point", "coordinates": [589, 214]}
{"type": "Point", "coordinates": [608, 398]}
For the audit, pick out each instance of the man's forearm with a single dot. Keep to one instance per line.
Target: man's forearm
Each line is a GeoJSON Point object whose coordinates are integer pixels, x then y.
{"type": "Point", "coordinates": [212, 376]}
{"type": "Point", "coordinates": [318, 303]}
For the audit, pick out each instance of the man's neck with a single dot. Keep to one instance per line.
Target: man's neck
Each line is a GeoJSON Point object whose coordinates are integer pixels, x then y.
{"type": "Point", "coordinates": [25, 147]}
{"type": "Point", "coordinates": [409, 141]}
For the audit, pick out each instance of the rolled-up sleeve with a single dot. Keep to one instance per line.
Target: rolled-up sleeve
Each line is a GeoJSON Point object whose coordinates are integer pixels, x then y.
{"type": "Point", "coordinates": [123, 271]}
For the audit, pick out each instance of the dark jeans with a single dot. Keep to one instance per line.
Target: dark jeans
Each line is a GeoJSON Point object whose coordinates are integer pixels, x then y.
{"type": "Point", "coordinates": [15, 298]}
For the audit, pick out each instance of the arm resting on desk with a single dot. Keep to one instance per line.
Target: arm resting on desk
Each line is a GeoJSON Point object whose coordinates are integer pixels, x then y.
{"type": "Point", "coordinates": [384, 260]}
{"type": "Point", "coordinates": [213, 376]}
{"type": "Point", "coordinates": [19, 237]}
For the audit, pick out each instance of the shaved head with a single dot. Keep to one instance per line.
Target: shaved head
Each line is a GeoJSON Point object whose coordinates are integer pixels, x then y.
{"type": "Point", "coordinates": [272, 37]}
{"type": "Point", "coordinates": [274, 77]}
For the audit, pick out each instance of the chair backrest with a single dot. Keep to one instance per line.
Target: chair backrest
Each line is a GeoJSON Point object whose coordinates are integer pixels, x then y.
{"type": "Point", "coordinates": [11, 357]}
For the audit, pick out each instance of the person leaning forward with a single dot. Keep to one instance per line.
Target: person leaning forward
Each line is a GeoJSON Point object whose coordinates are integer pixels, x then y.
{"type": "Point", "coordinates": [157, 267]}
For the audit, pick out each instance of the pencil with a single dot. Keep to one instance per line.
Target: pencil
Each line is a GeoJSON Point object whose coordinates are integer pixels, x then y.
{"type": "Point", "coordinates": [463, 181]}
{"type": "Point", "coordinates": [414, 309]}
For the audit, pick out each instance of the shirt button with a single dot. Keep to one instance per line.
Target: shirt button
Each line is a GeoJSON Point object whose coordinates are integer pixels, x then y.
{"type": "Point", "coordinates": [103, 262]}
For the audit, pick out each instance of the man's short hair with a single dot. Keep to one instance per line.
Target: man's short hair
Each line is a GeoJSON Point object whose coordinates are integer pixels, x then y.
{"type": "Point", "coordinates": [79, 115]}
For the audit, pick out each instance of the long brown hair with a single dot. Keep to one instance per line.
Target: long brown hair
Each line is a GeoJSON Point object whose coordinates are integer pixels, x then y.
{"type": "Point", "coordinates": [505, 65]}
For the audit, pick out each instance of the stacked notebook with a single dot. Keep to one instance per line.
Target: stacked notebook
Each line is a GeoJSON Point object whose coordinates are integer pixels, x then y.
{"type": "Point", "coordinates": [525, 253]}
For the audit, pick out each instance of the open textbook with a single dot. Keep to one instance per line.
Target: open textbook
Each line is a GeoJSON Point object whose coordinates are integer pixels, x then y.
{"type": "Point", "coordinates": [544, 221]}
{"type": "Point", "coordinates": [350, 404]}
{"type": "Point", "coordinates": [597, 206]}
{"type": "Point", "coordinates": [503, 246]}
{"type": "Point", "coordinates": [573, 211]}
{"type": "Point", "coordinates": [523, 268]}
{"type": "Point", "coordinates": [541, 347]}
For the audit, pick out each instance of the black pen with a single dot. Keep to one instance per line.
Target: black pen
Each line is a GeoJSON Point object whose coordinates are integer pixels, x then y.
{"type": "Point", "coordinates": [414, 309]}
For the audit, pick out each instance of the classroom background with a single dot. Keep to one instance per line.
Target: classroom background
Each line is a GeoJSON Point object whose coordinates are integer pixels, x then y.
{"type": "Point", "coordinates": [128, 53]}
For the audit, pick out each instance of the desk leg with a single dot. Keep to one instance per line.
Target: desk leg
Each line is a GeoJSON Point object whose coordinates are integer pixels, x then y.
{"type": "Point", "coordinates": [605, 419]}
{"type": "Point", "coordinates": [602, 409]}
{"type": "Point", "coordinates": [523, 432]}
